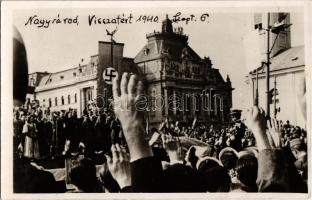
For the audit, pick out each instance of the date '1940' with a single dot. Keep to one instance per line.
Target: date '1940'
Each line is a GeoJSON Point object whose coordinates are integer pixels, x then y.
{"type": "Point", "coordinates": [177, 18]}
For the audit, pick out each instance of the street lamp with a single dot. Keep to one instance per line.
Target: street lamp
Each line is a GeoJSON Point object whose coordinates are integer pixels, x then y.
{"type": "Point", "coordinates": [276, 29]}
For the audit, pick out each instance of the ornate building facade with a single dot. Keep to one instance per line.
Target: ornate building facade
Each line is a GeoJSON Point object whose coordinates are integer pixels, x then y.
{"type": "Point", "coordinates": [181, 85]}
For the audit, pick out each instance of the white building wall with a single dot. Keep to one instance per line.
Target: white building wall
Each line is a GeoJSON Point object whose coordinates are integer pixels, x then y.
{"type": "Point", "coordinates": [286, 84]}
{"type": "Point", "coordinates": [65, 91]}
{"type": "Point", "coordinates": [287, 80]}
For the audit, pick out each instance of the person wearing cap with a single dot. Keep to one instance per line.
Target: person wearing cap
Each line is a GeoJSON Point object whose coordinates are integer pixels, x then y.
{"type": "Point", "coordinates": [295, 145]}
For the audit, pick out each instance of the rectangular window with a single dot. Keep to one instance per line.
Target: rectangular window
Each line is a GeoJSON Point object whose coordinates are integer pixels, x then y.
{"type": "Point", "coordinates": [89, 95]}
{"type": "Point", "coordinates": [62, 99]}
{"type": "Point", "coordinates": [153, 106]}
{"type": "Point", "coordinates": [187, 102]}
{"type": "Point", "coordinates": [75, 98]}
{"type": "Point", "coordinates": [55, 101]}
{"type": "Point", "coordinates": [178, 102]}
{"type": "Point", "coordinates": [68, 99]}
{"type": "Point", "coordinates": [258, 26]}
{"type": "Point", "coordinates": [196, 102]}
{"type": "Point", "coordinates": [50, 102]}
{"type": "Point", "coordinates": [212, 98]}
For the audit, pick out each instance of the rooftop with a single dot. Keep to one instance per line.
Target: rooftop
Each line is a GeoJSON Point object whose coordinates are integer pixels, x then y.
{"type": "Point", "coordinates": [290, 58]}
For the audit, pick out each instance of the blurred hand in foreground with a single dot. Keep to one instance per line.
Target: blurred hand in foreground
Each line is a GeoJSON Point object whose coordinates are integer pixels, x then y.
{"type": "Point", "coordinates": [274, 133]}
{"type": "Point", "coordinates": [126, 98]}
{"type": "Point", "coordinates": [257, 124]}
{"type": "Point", "coordinates": [173, 148]}
{"type": "Point", "coordinates": [119, 165]}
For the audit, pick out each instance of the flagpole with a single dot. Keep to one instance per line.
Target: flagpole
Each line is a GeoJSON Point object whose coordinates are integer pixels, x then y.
{"type": "Point", "coordinates": [112, 50]}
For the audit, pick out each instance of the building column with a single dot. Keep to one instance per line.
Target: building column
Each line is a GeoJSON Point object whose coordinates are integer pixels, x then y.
{"type": "Point", "coordinates": [166, 101]}
{"type": "Point", "coordinates": [174, 102]}
{"type": "Point", "coordinates": [183, 105]}
{"type": "Point", "coordinates": [192, 105]}
{"type": "Point", "coordinates": [222, 108]}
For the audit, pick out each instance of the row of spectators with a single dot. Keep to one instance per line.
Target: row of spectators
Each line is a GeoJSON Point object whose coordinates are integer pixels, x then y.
{"type": "Point", "coordinates": [39, 134]}
{"type": "Point", "coordinates": [264, 156]}
{"type": "Point", "coordinates": [238, 136]}
{"type": "Point", "coordinates": [52, 129]}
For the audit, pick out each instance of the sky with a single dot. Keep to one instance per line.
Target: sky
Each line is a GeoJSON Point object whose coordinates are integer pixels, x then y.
{"type": "Point", "coordinates": [62, 46]}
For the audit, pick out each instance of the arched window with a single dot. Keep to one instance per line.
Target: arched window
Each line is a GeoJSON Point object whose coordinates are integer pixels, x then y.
{"type": "Point", "coordinates": [187, 102]}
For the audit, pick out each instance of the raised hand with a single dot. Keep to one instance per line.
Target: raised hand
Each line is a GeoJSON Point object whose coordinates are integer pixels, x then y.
{"type": "Point", "coordinates": [119, 165]}
{"type": "Point", "coordinates": [257, 123]}
{"type": "Point", "coordinates": [125, 99]}
{"type": "Point", "coordinates": [274, 131]}
{"type": "Point", "coordinates": [173, 148]}
{"type": "Point", "coordinates": [126, 96]}
{"type": "Point", "coordinates": [170, 143]}
{"type": "Point", "coordinates": [66, 146]}
{"type": "Point", "coordinates": [256, 118]}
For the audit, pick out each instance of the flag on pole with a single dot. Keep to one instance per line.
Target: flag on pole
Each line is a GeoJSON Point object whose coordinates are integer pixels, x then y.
{"type": "Point", "coordinates": [253, 57]}
{"type": "Point", "coordinates": [194, 122]}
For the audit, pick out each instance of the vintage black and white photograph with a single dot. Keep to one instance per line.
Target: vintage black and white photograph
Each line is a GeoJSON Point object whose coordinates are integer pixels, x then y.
{"type": "Point", "coordinates": [155, 97]}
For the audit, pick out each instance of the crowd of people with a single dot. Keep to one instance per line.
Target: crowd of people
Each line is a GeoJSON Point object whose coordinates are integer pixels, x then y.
{"type": "Point", "coordinates": [42, 134]}
{"type": "Point", "coordinates": [256, 155]}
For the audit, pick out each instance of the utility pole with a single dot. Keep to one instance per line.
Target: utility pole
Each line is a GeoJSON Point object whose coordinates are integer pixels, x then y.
{"type": "Point", "coordinates": [275, 93]}
{"type": "Point", "coordinates": [267, 111]}
{"type": "Point", "coordinates": [112, 51]}
{"type": "Point", "coordinates": [276, 29]}
{"type": "Point", "coordinates": [257, 92]}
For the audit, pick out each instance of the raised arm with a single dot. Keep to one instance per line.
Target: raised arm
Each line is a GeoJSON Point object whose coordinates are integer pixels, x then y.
{"type": "Point", "coordinates": [145, 169]}
{"type": "Point", "coordinates": [272, 170]}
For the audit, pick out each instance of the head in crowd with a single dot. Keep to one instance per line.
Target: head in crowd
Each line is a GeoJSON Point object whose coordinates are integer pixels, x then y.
{"type": "Point", "coordinates": [215, 177]}
{"type": "Point", "coordinates": [247, 169]}
{"type": "Point", "coordinates": [228, 157]}
{"type": "Point", "coordinates": [83, 175]}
